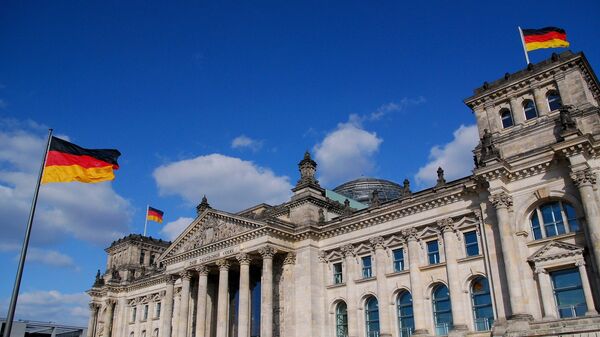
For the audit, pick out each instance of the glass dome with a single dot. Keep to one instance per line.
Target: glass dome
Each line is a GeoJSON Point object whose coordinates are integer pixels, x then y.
{"type": "Point", "coordinates": [361, 189]}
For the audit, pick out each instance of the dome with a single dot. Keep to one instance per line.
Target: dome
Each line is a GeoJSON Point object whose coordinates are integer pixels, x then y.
{"type": "Point", "coordinates": [361, 189]}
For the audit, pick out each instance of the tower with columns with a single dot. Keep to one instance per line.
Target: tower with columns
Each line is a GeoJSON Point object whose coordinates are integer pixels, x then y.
{"type": "Point", "coordinates": [513, 249]}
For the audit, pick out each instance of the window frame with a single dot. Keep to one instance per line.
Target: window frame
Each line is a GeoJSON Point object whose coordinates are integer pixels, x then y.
{"type": "Point", "coordinates": [436, 312]}
{"type": "Point", "coordinates": [366, 271]}
{"type": "Point", "coordinates": [557, 94]}
{"type": "Point", "coordinates": [579, 287]}
{"type": "Point", "coordinates": [435, 254]}
{"type": "Point", "coordinates": [527, 107]}
{"type": "Point", "coordinates": [510, 115]}
{"type": "Point", "coordinates": [476, 307]}
{"type": "Point", "coordinates": [476, 243]}
{"type": "Point", "coordinates": [368, 316]}
{"type": "Point", "coordinates": [133, 315]}
{"type": "Point", "coordinates": [157, 309]}
{"type": "Point", "coordinates": [339, 274]}
{"type": "Point", "coordinates": [343, 326]}
{"type": "Point", "coordinates": [569, 224]}
{"type": "Point", "coordinates": [404, 331]}
{"type": "Point", "coordinates": [398, 261]}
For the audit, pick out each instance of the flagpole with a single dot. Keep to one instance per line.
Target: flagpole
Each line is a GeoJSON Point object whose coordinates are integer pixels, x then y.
{"type": "Point", "coordinates": [146, 216]}
{"type": "Point", "coordinates": [524, 47]}
{"type": "Point", "coordinates": [15, 294]}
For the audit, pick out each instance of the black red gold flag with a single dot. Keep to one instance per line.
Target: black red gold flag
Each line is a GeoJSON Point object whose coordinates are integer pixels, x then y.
{"type": "Point", "coordinates": [549, 37]}
{"type": "Point", "coordinates": [154, 215]}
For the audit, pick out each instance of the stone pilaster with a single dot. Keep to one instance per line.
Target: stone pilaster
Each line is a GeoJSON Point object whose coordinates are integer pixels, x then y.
{"type": "Point", "coordinates": [585, 181]}
{"type": "Point", "coordinates": [223, 298]}
{"type": "Point", "coordinates": [244, 296]}
{"type": "Point", "coordinates": [184, 311]}
{"type": "Point", "coordinates": [167, 314]}
{"type": "Point", "coordinates": [288, 293]}
{"type": "Point", "coordinates": [108, 319]}
{"type": "Point", "coordinates": [266, 322]}
{"type": "Point", "coordinates": [350, 256]}
{"type": "Point", "coordinates": [385, 324]}
{"type": "Point", "coordinates": [451, 250]}
{"type": "Point", "coordinates": [201, 302]}
{"type": "Point", "coordinates": [416, 285]}
{"type": "Point", "coordinates": [517, 111]}
{"type": "Point", "coordinates": [547, 295]}
{"type": "Point", "coordinates": [587, 290]}
{"type": "Point", "coordinates": [93, 320]}
{"type": "Point", "coordinates": [541, 102]}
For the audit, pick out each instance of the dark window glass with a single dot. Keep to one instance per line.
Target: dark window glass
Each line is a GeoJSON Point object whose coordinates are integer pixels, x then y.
{"type": "Point", "coordinates": [571, 218]}
{"type": "Point", "coordinates": [471, 244]}
{"type": "Point", "coordinates": [337, 273]}
{"type": "Point", "coordinates": [442, 310]}
{"type": "Point", "coordinates": [507, 119]}
{"type": "Point", "coordinates": [568, 293]}
{"type": "Point", "coordinates": [535, 226]}
{"type": "Point", "coordinates": [151, 259]}
{"type": "Point", "coordinates": [142, 256]}
{"type": "Point", "coordinates": [406, 317]}
{"type": "Point", "coordinates": [555, 218]}
{"type": "Point", "coordinates": [341, 320]}
{"type": "Point", "coordinates": [529, 109]}
{"type": "Point", "coordinates": [552, 217]}
{"type": "Point", "coordinates": [398, 259]}
{"type": "Point", "coordinates": [372, 317]}
{"type": "Point", "coordinates": [157, 314]}
{"type": "Point", "coordinates": [554, 101]}
{"type": "Point", "coordinates": [433, 252]}
{"type": "Point", "coordinates": [482, 304]}
{"type": "Point", "coordinates": [367, 270]}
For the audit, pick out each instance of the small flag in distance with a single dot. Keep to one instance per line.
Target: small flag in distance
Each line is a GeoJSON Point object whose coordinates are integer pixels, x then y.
{"type": "Point", "coordinates": [67, 162]}
{"type": "Point", "coordinates": [154, 215]}
{"type": "Point", "coordinates": [549, 37]}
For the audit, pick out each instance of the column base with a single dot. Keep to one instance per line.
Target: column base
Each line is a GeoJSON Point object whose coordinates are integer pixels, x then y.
{"type": "Point", "coordinates": [591, 313]}
{"type": "Point", "coordinates": [420, 332]}
{"type": "Point", "coordinates": [519, 322]}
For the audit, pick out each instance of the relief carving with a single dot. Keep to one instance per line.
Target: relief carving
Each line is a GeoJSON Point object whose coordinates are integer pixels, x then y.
{"type": "Point", "coordinates": [212, 230]}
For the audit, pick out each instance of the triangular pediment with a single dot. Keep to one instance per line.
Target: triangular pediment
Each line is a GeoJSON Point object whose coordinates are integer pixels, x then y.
{"type": "Point", "coordinates": [210, 227]}
{"type": "Point", "coordinates": [428, 232]}
{"type": "Point", "coordinates": [554, 250]}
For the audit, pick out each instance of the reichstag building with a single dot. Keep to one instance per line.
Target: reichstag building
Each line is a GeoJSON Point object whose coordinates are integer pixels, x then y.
{"type": "Point", "coordinates": [511, 250]}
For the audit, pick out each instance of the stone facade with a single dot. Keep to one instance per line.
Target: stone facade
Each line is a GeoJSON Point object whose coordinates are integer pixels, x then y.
{"type": "Point", "coordinates": [511, 250]}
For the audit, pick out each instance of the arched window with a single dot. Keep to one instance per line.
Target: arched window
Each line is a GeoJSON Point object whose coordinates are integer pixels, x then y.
{"type": "Point", "coordinates": [372, 317]}
{"type": "Point", "coordinates": [155, 333]}
{"type": "Point", "coordinates": [554, 101]}
{"type": "Point", "coordinates": [442, 310]}
{"type": "Point", "coordinates": [341, 320]}
{"type": "Point", "coordinates": [483, 314]}
{"type": "Point", "coordinates": [529, 109]}
{"type": "Point", "coordinates": [507, 119]}
{"type": "Point", "coordinates": [553, 218]}
{"type": "Point", "coordinates": [406, 317]}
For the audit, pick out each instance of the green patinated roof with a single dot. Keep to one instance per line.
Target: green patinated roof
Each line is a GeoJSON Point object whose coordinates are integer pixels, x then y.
{"type": "Point", "coordinates": [340, 198]}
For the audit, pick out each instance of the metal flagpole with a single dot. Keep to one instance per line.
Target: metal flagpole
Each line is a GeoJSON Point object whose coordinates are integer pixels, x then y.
{"type": "Point", "coordinates": [15, 294]}
{"type": "Point", "coordinates": [146, 222]}
{"type": "Point", "coordinates": [524, 47]}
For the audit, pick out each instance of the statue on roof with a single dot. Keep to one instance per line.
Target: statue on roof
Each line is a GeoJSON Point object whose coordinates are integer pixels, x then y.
{"type": "Point", "coordinates": [441, 181]}
{"type": "Point", "coordinates": [375, 202]}
{"type": "Point", "coordinates": [202, 206]}
{"type": "Point", "coordinates": [566, 119]}
{"type": "Point", "coordinates": [488, 149]}
{"type": "Point", "coordinates": [308, 169]}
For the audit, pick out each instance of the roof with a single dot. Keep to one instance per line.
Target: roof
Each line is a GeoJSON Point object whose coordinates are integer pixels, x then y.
{"type": "Point", "coordinates": [361, 189]}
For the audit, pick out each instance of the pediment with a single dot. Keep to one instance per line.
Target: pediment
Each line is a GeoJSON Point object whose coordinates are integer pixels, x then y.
{"type": "Point", "coordinates": [429, 231]}
{"type": "Point", "coordinates": [395, 240]}
{"type": "Point", "coordinates": [334, 255]}
{"type": "Point", "coordinates": [555, 250]}
{"type": "Point", "coordinates": [212, 226]}
{"type": "Point", "coordinates": [363, 248]}
{"type": "Point", "coordinates": [465, 222]}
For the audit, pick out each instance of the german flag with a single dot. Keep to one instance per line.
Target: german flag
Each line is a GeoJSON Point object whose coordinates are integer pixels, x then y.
{"type": "Point", "coordinates": [154, 215]}
{"type": "Point", "coordinates": [68, 162]}
{"type": "Point", "coordinates": [549, 37]}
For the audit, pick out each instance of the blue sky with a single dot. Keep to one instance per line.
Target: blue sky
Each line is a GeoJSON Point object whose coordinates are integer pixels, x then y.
{"type": "Point", "coordinates": [223, 98]}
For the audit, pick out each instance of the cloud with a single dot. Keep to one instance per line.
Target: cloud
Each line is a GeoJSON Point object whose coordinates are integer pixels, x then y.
{"type": "Point", "coordinates": [71, 209]}
{"type": "Point", "coordinates": [245, 142]}
{"type": "Point", "coordinates": [172, 229]}
{"type": "Point", "coordinates": [229, 183]}
{"type": "Point", "coordinates": [387, 108]}
{"type": "Point", "coordinates": [454, 157]}
{"type": "Point", "coordinates": [43, 256]}
{"type": "Point", "coordinates": [51, 305]}
{"type": "Point", "coordinates": [346, 152]}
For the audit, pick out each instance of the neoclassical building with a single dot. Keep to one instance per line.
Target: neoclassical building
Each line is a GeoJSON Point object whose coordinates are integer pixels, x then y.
{"type": "Point", "coordinates": [511, 250]}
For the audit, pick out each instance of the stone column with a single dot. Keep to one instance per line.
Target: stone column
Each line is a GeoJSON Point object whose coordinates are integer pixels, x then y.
{"type": "Point", "coordinates": [91, 331]}
{"type": "Point", "coordinates": [547, 293]}
{"type": "Point", "coordinates": [517, 111]}
{"type": "Point", "coordinates": [288, 294]}
{"type": "Point", "coordinates": [108, 320]}
{"type": "Point", "coordinates": [184, 311]}
{"type": "Point", "coordinates": [352, 310]}
{"type": "Point", "coordinates": [585, 180]}
{"type": "Point", "coordinates": [385, 326]}
{"type": "Point", "coordinates": [201, 303]}
{"type": "Point", "coordinates": [587, 290]}
{"type": "Point", "coordinates": [541, 102]}
{"type": "Point", "coordinates": [416, 285]}
{"type": "Point", "coordinates": [493, 118]}
{"type": "Point", "coordinates": [244, 296]}
{"type": "Point", "coordinates": [451, 253]}
{"type": "Point", "coordinates": [266, 312]}
{"type": "Point", "coordinates": [502, 202]}
{"type": "Point", "coordinates": [167, 313]}
{"type": "Point", "coordinates": [223, 298]}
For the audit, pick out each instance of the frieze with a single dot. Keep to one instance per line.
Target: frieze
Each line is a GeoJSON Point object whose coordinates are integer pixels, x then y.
{"type": "Point", "coordinates": [212, 229]}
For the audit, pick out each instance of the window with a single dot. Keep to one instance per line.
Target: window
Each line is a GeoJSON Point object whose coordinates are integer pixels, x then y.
{"type": "Point", "coordinates": [529, 109]}
{"type": "Point", "coordinates": [372, 317]}
{"type": "Point", "coordinates": [157, 310]}
{"type": "Point", "coordinates": [367, 270]}
{"type": "Point", "coordinates": [152, 259]}
{"type": "Point", "coordinates": [341, 320]}
{"type": "Point", "coordinates": [337, 273]}
{"type": "Point", "coordinates": [142, 256]}
{"type": "Point", "coordinates": [406, 317]}
{"type": "Point", "coordinates": [554, 101]}
{"type": "Point", "coordinates": [507, 119]}
{"type": "Point", "coordinates": [133, 314]}
{"type": "Point", "coordinates": [553, 218]}
{"type": "Point", "coordinates": [155, 333]}
{"type": "Point", "coordinates": [483, 314]}
{"type": "Point", "coordinates": [145, 315]}
{"type": "Point", "coordinates": [568, 293]}
{"type": "Point", "coordinates": [398, 259]}
{"type": "Point", "coordinates": [442, 310]}
{"type": "Point", "coordinates": [433, 252]}
{"type": "Point", "coordinates": [471, 244]}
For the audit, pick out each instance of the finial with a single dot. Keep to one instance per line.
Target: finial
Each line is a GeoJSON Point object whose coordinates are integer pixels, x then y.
{"type": "Point", "coordinates": [375, 198]}
{"type": "Point", "coordinates": [440, 179]}
{"type": "Point", "coordinates": [406, 188]}
{"type": "Point", "coordinates": [204, 205]}
{"type": "Point", "coordinates": [308, 168]}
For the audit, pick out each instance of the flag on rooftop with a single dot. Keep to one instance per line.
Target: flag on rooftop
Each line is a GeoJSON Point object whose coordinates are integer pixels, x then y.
{"type": "Point", "coordinates": [549, 37]}
{"type": "Point", "coordinates": [154, 214]}
{"type": "Point", "coordinates": [68, 162]}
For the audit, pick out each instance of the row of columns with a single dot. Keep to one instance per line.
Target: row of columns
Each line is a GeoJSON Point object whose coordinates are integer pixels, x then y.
{"type": "Point", "coordinates": [108, 318]}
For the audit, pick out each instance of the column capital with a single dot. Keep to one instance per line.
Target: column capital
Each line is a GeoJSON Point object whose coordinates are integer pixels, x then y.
{"type": "Point", "coordinates": [583, 178]}
{"type": "Point", "coordinates": [267, 252]}
{"type": "Point", "coordinates": [201, 269]}
{"type": "Point", "coordinates": [243, 258]}
{"type": "Point", "coordinates": [223, 264]}
{"type": "Point", "coordinates": [110, 301]}
{"type": "Point", "coordinates": [170, 279]}
{"type": "Point", "coordinates": [540, 270]}
{"type": "Point", "coordinates": [94, 306]}
{"type": "Point", "coordinates": [185, 275]}
{"type": "Point", "coordinates": [377, 242]}
{"type": "Point", "coordinates": [290, 258]}
{"type": "Point", "coordinates": [410, 234]}
{"type": "Point", "coordinates": [579, 263]}
{"type": "Point", "coordinates": [501, 200]}
{"type": "Point", "coordinates": [446, 225]}
{"type": "Point", "coordinates": [348, 250]}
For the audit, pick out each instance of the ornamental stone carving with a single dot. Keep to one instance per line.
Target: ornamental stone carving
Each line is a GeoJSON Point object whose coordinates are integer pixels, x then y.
{"type": "Point", "coordinates": [267, 252]}
{"type": "Point", "coordinates": [201, 270]}
{"type": "Point", "coordinates": [540, 270]}
{"type": "Point", "coordinates": [94, 307]}
{"type": "Point", "coordinates": [410, 234]}
{"type": "Point", "coordinates": [501, 200]}
{"type": "Point", "coordinates": [211, 230]}
{"type": "Point", "coordinates": [583, 178]}
{"type": "Point", "coordinates": [243, 258]}
{"type": "Point", "coordinates": [579, 263]}
{"type": "Point", "coordinates": [185, 275]}
{"type": "Point", "coordinates": [170, 279]}
{"type": "Point", "coordinates": [290, 258]}
{"type": "Point", "coordinates": [223, 264]}
{"type": "Point", "coordinates": [322, 257]}
{"type": "Point", "coordinates": [348, 250]}
{"type": "Point", "coordinates": [377, 242]}
{"type": "Point", "coordinates": [446, 225]}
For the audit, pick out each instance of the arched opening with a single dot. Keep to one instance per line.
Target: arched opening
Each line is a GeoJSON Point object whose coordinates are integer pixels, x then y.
{"type": "Point", "coordinates": [506, 117]}
{"type": "Point", "coordinates": [372, 317]}
{"type": "Point", "coordinates": [554, 100]}
{"type": "Point", "coordinates": [406, 317]}
{"type": "Point", "coordinates": [481, 300]}
{"type": "Point", "coordinates": [442, 310]}
{"type": "Point", "coordinates": [529, 109]}
{"type": "Point", "coordinates": [341, 320]}
{"type": "Point", "coordinates": [553, 218]}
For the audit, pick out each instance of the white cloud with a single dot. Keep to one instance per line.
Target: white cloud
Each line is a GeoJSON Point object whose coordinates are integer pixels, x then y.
{"type": "Point", "coordinates": [229, 183]}
{"type": "Point", "coordinates": [51, 305]}
{"type": "Point", "coordinates": [388, 108]}
{"type": "Point", "coordinates": [245, 142]}
{"type": "Point", "coordinates": [454, 157]}
{"type": "Point", "coordinates": [346, 153]}
{"type": "Point", "coordinates": [91, 212]}
{"type": "Point", "coordinates": [172, 229]}
{"type": "Point", "coordinates": [51, 258]}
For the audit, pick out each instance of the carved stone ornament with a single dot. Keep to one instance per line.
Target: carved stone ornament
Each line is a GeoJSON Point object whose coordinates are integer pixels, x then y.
{"type": "Point", "coordinates": [540, 270]}
{"type": "Point", "coordinates": [94, 307]}
{"type": "Point", "coordinates": [377, 242]}
{"type": "Point", "coordinates": [583, 178]}
{"type": "Point", "coordinates": [566, 119]}
{"type": "Point", "coordinates": [501, 200]}
{"type": "Point", "coordinates": [290, 258]}
{"type": "Point", "coordinates": [185, 275]}
{"type": "Point", "coordinates": [410, 234]}
{"type": "Point", "coordinates": [267, 252]}
{"type": "Point", "coordinates": [446, 225]}
{"type": "Point", "coordinates": [348, 250]}
{"type": "Point", "coordinates": [170, 279]}
{"type": "Point", "coordinates": [307, 168]}
{"type": "Point", "coordinates": [375, 202]}
{"type": "Point", "coordinates": [488, 149]}
{"type": "Point", "coordinates": [322, 257]}
{"type": "Point", "coordinates": [441, 181]}
{"type": "Point", "coordinates": [223, 264]}
{"type": "Point", "coordinates": [212, 229]}
{"type": "Point", "coordinates": [580, 263]}
{"type": "Point", "coordinates": [243, 258]}
{"type": "Point", "coordinates": [202, 269]}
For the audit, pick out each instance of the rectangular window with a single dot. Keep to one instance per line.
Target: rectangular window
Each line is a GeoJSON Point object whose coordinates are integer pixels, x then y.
{"type": "Point", "coordinates": [145, 316]}
{"type": "Point", "coordinates": [398, 259]}
{"type": "Point", "coordinates": [568, 293]}
{"type": "Point", "coordinates": [337, 273]}
{"type": "Point", "coordinates": [151, 259]}
{"type": "Point", "coordinates": [433, 252]}
{"type": "Point", "coordinates": [157, 310]}
{"type": "Point", "coordinates": [133, 314]}
{"type": "Point", "coordinates": [142, 256]}
{"type": "Point", "coordinates": [367, 270]}
{"type": "Point", "coordinates": [471, 244]}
